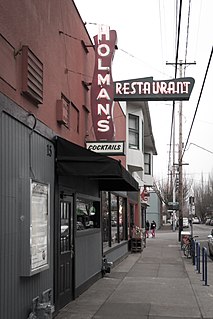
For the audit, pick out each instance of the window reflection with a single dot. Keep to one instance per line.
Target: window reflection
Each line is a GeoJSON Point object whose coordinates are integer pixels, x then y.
{"type": "Point", "coordinates": [105, 218]}
{"type": "Point", "coordinates": [88, 214]}
{"type": "Point", "coordinates": [114, 219]}
{"type": "Point", "coordinates": [114, 216]}
{"type": "Point", "coordinates": [65, 211]}
{"type": "Point", "coordinates": [122, 210]}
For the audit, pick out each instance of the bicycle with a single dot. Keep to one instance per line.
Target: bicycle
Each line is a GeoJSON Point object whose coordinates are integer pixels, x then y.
{"type": "Point", "coordinates": [188, 246]}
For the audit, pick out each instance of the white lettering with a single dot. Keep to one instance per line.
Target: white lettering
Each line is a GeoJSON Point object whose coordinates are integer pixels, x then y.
{"type": "Point", "coordinates": [140, 87]}
{"type": "Point", "coordinates": [104, 52]}
{"type": "Point", "coordinates": [171, 88]}
{"type": "Point", "coordinates": [126, 88]}
{"type": "Point", "coordinates": [156, 87]}
{"type": "Point", "coordinates": [133, 84]}
{"type": "Point", "coordinates": [146, 88]}
{"type": "Point", "coordinates": [118, 88]}
{"type": "Point", "coordinates": [179, 86]}
{"type": "Point", "coordinates": [101, 67]}
{"type": "Point", "coordinates": [103, 94]}
{"type": "Point", "coordinates": [105, 109]}
{"type": "Point", "coordinates": [185, 87]}
{"type": "Point", "coordinates": [104, 80]}
{"type": "Point", "coordinates": [159, 87]}
{"type": "Point", "coordinates": [104, 30]}
{"type": "Point", "coordinates": [103, 126]}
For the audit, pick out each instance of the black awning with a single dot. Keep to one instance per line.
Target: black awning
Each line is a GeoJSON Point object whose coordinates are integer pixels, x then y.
{"type": "Point", "coordinates": [72, 159]}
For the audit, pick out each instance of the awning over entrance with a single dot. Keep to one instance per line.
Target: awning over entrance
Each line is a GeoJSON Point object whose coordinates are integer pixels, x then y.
{"type": "Point", "coordinates": [72, 159]}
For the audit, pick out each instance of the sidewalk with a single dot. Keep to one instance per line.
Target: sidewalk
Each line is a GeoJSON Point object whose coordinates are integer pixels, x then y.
{"type": "Point", "coordinates": [156, 284]}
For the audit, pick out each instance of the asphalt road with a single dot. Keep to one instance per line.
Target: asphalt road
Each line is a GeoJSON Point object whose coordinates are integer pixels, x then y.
{"type": "Point", "coordinates": [202, 231]}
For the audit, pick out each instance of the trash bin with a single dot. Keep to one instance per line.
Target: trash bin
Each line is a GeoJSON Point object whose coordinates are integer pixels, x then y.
{"type": "Point", "coordinates": [185, 235]}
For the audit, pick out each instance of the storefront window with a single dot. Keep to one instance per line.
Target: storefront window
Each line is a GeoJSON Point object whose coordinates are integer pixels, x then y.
{"type": "Point", "coordinates": [131, 220]}
{"type": "Point", "coordinates": [114, 217]}
{"type": "Point", "coordinates": [88, 213]}
{"type": "Point", "coordinates": [105, 218]}
{"type": "Point", "coordinates": [122, 215]}
{"type": "Point", "coordinates": [66, 226]}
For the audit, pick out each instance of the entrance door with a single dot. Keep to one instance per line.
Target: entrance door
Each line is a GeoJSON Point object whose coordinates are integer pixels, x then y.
{"type": "Point", "coordinates": [66, 254]}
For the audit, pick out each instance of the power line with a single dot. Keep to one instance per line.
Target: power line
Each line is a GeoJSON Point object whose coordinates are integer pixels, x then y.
{"type": "Point", "coordinates": [187, 35]}
{"type": "Point", "coordinates": [201, 91]}
{"type": "Point", "coordinates": [178, 38]}
{"type": "Point", "coordinates": [176, 59]}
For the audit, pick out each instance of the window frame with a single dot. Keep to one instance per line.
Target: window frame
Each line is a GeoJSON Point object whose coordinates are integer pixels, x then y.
{"type": "Point", "coordinates": [147, 164]}
{"type": "Point", "coordinates": [96, 203]}
{"type": "Point", "coordinates": [134, 131]}
{"type": "Point", "coordinates": [109, 238]}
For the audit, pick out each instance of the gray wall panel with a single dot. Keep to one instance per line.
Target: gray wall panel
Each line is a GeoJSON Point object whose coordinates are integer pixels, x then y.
{"type": "Point", "coordinates": [88, 256]}
{"type": "Point", "coordinates": [17, 292]}
{"type": "Point", "coordinates": [114, 255]}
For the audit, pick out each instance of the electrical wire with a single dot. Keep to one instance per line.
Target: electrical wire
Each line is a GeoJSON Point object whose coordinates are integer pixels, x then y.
{"type": "Point", "coordinates": [187, 36]}
{"type": "Point", "coordinates": [176, 62]}
{"type": "Point", "coordinates": [201, 91]}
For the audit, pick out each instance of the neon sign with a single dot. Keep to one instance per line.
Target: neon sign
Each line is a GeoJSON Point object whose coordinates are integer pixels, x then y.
{"type": "Point", "coordinates": [102, 89]}
{"type": "Point", "coordinates": [146, 89]}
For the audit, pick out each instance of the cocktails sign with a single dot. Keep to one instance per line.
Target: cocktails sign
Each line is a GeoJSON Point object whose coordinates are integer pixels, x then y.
{"type": "Point", "coordinates": [145, 89]}
{"type": "Point", "coordinates": [102, 89]}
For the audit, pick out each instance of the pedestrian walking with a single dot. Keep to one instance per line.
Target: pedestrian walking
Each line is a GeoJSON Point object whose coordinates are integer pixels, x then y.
{"type": "Point", "coordinates": [153, 228]}
{"type": "Point", "coordinates": [147, 229]}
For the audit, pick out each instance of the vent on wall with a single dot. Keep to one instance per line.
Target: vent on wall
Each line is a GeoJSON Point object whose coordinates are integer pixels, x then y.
{"type": "Point", "coordinates": [32, 76]}
{"type": "Point", "coordinates": [62, 112]}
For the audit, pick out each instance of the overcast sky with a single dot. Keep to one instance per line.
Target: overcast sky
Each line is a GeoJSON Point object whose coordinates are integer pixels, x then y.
{"type": "Point", "coordinates": [146, 33]}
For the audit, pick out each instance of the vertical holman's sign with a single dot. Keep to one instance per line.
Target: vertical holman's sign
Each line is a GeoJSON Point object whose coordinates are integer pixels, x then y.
{"type": "Point", "coordinates": [104, 92]}
{"type": "Point", "coordinates": [102, 89]}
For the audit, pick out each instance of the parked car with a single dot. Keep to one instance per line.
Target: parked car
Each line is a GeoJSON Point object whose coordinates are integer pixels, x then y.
{"type": "Point", "coordinates": [195, 220]}
{"type": "Point", "coordinates": [208, 221]}
{"type": "Point", "coordinates": [210, 243]}
{"type": "Point", "coordinates": [185, 222]}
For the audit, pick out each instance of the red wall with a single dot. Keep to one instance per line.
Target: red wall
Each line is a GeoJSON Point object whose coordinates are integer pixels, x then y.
{"type": "Point", "coordinates": [65, 62]}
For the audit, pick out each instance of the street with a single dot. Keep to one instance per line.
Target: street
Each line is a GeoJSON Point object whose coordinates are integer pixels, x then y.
{"type": "Point", "coordinates": [202, 231]}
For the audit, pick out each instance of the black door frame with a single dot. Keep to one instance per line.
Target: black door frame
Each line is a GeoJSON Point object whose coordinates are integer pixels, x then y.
{"type": "Point", "coordinates": [61, 192]}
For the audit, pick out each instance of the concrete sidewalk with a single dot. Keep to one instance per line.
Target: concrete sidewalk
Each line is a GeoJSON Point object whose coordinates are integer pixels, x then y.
{"type": "Point", "coordinates": [157, 283]}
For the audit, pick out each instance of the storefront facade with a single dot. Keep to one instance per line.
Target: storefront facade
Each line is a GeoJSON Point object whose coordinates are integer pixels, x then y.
{"type": "Point", "coordinates": [63, 207]}
{"type": "Point", "coordinates": [54, 235]}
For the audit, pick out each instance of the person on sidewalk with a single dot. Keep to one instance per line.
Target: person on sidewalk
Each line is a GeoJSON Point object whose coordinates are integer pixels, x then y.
{"type": "Point", "coordinates": [153, 228]}
{"type": "Point", "coordinates": [147, 229]}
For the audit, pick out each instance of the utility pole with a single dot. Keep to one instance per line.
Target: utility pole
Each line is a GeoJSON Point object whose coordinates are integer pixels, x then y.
{"type": "Point", "coordinates": [173, 179]}
{"type": "Point", "coordinates": [180, 164]}
{"type": "Point", "coordinates": [180, 151]}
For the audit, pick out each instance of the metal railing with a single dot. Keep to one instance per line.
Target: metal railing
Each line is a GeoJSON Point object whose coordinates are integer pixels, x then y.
{"type": "Point", "coordinates": [199, 258]}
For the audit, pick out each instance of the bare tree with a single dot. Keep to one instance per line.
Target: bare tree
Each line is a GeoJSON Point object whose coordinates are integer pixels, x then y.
{"type": "Point", "coordinates": [165, 190]}
{"type": "Point", "coordinates": [203, 193]}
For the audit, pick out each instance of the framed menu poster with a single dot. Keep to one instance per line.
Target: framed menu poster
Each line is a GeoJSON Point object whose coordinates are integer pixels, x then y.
{"type": "Point", "coordinates": [39, 226]}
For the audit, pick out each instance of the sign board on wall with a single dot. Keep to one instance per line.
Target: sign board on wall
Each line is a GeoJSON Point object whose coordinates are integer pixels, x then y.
{"type": "Point", "coordinates": [104, 91]}
{"type": "Point", "coordinates": [39, 228]}
{"type": "Point", "coordinates": [107, 148]}
{"type": "Point", "coordinates": [102, 88]}
{"type": "Point", "coordinates": [146, 89]}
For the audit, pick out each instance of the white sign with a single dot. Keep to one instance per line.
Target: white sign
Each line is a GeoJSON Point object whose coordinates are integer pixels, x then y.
{"type": "Point", "coordinates": [39, 228]}
{"type": "Point", "coordinates": [110, 148]}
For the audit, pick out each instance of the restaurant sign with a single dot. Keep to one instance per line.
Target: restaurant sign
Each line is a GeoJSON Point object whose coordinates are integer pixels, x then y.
{"type": "Point", "coordinates": [146, 89]}
{"type": "Point", "coordinates": [102, 88]}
